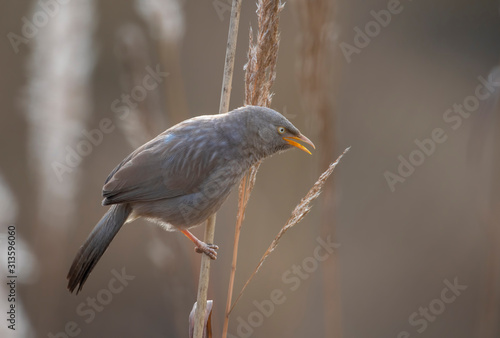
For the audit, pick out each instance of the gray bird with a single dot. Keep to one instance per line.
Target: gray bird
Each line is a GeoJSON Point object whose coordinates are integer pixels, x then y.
{"type": "Point", "coordinates": [183, 176]}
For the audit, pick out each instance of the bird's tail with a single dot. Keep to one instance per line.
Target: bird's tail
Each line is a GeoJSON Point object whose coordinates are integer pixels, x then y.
{"type": "Point", "coordinates": [95, 245]}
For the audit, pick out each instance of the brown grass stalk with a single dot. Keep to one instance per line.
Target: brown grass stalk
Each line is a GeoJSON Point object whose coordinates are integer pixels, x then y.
{"type": "Point", "coordinates": [317, 73]}
{"type": "Point", "coordinates": [298, 214]}
{"type": "Point", "coordinates": [223, 108]}
{"type": "Point", "coordinates": [260, 73]}
{"type": "Point", "coordinates": [243, 199]}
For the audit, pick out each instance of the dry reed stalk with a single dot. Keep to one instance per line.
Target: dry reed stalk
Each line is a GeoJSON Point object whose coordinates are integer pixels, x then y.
{"type": "Point", "coordinates": [223, 108]}
{"type": "Point", "coordinates": [263, 54]}
{"type": "Point", "coordinates": [208, 320]}
{"type": "Point", "coordinates": [260, 73]}
{"type": "Point", "coordinates": [245, 189]}
{"type": "Point", "coordinates": [315, 71]}
{"type": "Point", "coordinates": [298, 214]}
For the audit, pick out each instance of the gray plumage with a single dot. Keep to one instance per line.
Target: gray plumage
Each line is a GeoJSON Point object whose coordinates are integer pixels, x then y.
{"type": "Point", "coordinates": [183, 176]}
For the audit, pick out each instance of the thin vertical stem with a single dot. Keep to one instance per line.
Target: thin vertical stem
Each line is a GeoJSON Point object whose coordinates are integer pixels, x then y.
{"type": "Point", "coordinates": [241, 212]}
{"type": "Point", "coordinates": [201, 303]}
{"type": "Point", "coordinates": [230, 52]}
{"type": "Point", "coordinates": [223, 108]}
{"type": "Point", "coordinates": [260, 72]}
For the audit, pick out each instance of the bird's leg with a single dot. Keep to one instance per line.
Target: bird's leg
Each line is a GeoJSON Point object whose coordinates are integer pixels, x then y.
{"type": "Point", "coordinates": [202, 247]}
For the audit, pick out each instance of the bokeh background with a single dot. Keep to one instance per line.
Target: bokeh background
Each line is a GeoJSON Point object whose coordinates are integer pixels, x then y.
{"type": "Point", "coordinates": [396, 251]}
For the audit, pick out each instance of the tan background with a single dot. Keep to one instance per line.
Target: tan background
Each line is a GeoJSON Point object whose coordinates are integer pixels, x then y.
{"type": "Point", "coordinates": [396, 248]}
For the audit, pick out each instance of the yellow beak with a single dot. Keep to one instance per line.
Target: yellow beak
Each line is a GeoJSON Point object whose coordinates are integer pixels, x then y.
{"type": "Point", "coordinates": [298, 145]}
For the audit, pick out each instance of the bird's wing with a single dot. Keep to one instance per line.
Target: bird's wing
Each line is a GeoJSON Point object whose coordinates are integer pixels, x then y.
{"type": "Point", "coordinates": [168, 166]}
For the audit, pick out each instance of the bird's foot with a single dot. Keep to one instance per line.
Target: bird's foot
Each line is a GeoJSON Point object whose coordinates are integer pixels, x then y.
{"type": "Point", "coordinates": [202, 247]}
{"type": "Point", "coordinates": [207, 249]}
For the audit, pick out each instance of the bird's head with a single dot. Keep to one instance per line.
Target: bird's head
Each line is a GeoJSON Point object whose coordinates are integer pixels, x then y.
{"type": "Point", "coordinates": [271, 131]}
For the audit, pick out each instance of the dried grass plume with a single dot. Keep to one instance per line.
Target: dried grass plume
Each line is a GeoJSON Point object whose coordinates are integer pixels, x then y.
{"type": "Point", "coordinates": [260, 70]}
{"type": "Point", "coordinates": [260, 73]}
{"type": "Point", "coordinates": [298, 214]}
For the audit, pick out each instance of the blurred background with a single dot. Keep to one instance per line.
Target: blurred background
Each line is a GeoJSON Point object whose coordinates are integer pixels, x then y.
{"type": "Point", "coordinates": [411, 213]}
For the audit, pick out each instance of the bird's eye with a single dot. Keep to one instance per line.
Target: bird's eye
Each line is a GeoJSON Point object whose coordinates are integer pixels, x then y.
{"type": "Point", "coordinates": [281, 130]}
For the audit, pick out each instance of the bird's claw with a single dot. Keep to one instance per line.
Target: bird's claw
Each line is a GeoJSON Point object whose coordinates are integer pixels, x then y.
{"type": "Point", "coordinates": [207, 249]}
